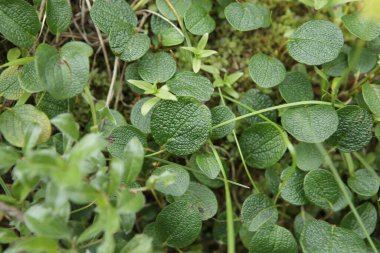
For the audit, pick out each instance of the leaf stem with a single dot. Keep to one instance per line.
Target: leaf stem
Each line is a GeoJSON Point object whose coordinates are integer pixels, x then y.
{"type": "Point", "coordinates": [92, 107]}
{"type": "Point", "coordinates": [112, 86]}
{"type": "Point", "coordinates": [5, 188]}
{"type": "Point", "coordinates": [155, 153]}
{"type": "Point", "coordinates": [364, 162]}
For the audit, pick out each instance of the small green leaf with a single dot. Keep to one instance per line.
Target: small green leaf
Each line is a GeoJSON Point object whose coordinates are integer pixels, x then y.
{"type": "Point", "coordinates": [146, 108]}
{"type": "Point", "coordinates": [51, 106]}
{"type": "Point", "coordinates": [147, 87]}
{"type": "Point", "coordinates": [296, 87]}
{"type": "Point", "coordinates": [7, 236]}
{"type": "Point", "coordinates": [177, 185]}
{"type": "Point", "coordinates": [156, 67]}
{"type": "Point", "coordinates": [29, 79]}
{"type": "Point", "coordinates": [316, 42]}
{"type": "Point", "coordinates": [198, 21]}
{"type": "Point", "coordinates": [293, 191]}
{"type": "Point", "coordinates": [220, 114]}
{"type": "Point", "coordinates": [201, 177]}
{"type": "Point", "coordinates": [58, 15]}
{"type": "Point", "coordinates": [300, 222]}
{"type": "Point", "coordinates": [361, 26]}
{"type": "Point", "coordinates": [308, 156]}
{"type": "Point", "coordinates": [133, 160]}
{"type": "Point", "coordinates": [364, 182]}
{"type": "Point", "coordinates": [371, 95]}
{"type": "Point", "coordinates": [8, 158]}
{"type": "Point", "coordinates": [138, 119]}
{"type": "Point", "coordinates": [164, 93]}
{"type": "Point", "coordinates": [311, 124]}
{"type": "Point", "coordinates": [35, 244]}
{"type": "Point", "coordinates": [179, 224]}
{"type": "Point", "coordinates": [130, 202]}
{"type": "Point", "coordinates": [262, 145]}
{"type": "Point", "coordinates": [266, 71]}
{"type": "Point", "coordinates": [66, 124]}
{"type": "Point", "coordinates": [207, 163]}
{"type": "Point", "coordinates": [140, 243]}
{"type": "Point", "coordinates": [181, 6]}
{"type": "Point", "coordinates": [13, 54]}
{"type": "Point", "coordinates": [337, 66]}
{"type": "Point", "coordinates": [166, 33]}
{"type": "Point", "coordinates": [10, 87]}
{"type": "Point", "coordinates": [363, 62]}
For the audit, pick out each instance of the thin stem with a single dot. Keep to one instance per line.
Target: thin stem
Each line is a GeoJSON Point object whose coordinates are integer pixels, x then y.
{"type": "Point", "coordinates": [112, 86]}
{"type": "Point", "coordinates": [350, 163]}
{"type": "Point", "coordinates": [155, 153]}
{"type": "Point", "coordinates": [83, 207]}
{"type": "Point", "coordinates": [364, 162]}
{"type": "Point", "coordinates": [139, 4]}
{"type": "Point", "coordinates": [5, 187]}
{"type": "Point", "coordinates": [342, 187]}
{"type": "Point", "coordinates": [92, 107]}
{"type": "Point", "coordinates": [230, 214]}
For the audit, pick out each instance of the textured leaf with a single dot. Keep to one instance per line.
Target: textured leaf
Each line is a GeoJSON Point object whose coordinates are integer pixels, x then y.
{"type": "Point", "coordinates": [257, 101]}
{"type": "Point", "coordinates": [53, 107]}
{"type": "Point", "coordinates": [183, 126]}
{"type": "Point", "coordinates": [178, 185]}
{"type": "Point", "coordinates": [192, 85]}
{"type": "Point", "coordinates": [337, 66]}
{"type": "Point", "coordinates": [361, 26]}
{"type": "Point", "coordinates": [300, 222]}
{"type": "Point", "coordinates": [208, 164]}
{"type": "Point", "coordinates": [114, 120]}
{"type": "Point", "coordinates": [157, 67]}
{"type": "Point", "coordinates": [354, 129]}
{"type": "Point", "coordinates": [58, 15]}
{"type": "Point", "coordinates": [133, 160]}
{"type": "Point", "coordinates": [105, 13]}
{"type": "Point", "coordinates": [246, 16]}
{"type": "Point", "coordinates": [315, 42]}
{"type": "Point", "coordinates": [273, 239]}
{"type": "Point", "coordinates": [119, 138]}
{"type": "Point", "coordinates": [308, 156]}
{"type": "Point", "coordinates": [28, 78]}
{"type": "Point", "coordinates": [321, 188]}
{"type": "Point", "coordinates": [311, 124]}
{"type": "Point", "coordinates": [362, 63]}
{"type": "Point", "coordinates": [371, 95]}
{"type": "Point", "coordinates": [262, 145]}
{"type": "Point", "coordinates": [181, 6]}
{"type": "Point", "coordinates": [266, 71]}
{"type": "Point", "coordinates": [198, 21]}
{"type": "Point", "coordinates": [66, 124]}
{"type": "Point", "coordinates": [220, 114]}
{"type": "Point", "coordinates": [201, 177]}
{"type": "Point", "coordinates": [293, 191]}
{"type": "Point", "coordinates": [296, 87]}
{"type": "Point", "coordinates": [19, 22]}
{"type": "Point", "coordinates": [10, 87]}
{"type": "Point", "coordinates": [364, 182]}
{"type": "Point", "coordinates": [320, 237]}
{"type": "Point", "coordinates": [258, 211]}
{"type": "Point", "coordinates": [15, 121]}
{"type": "Point", "coordinates": [139, 120]}
{"type": "Point", "coordinates": [179, 224]}
{"type": "Point", "coordinates": [166, 33]}
{"type": "Point", "coordinates": [63, 73]}
{"type": "Point", "coordinates": [202, 198]}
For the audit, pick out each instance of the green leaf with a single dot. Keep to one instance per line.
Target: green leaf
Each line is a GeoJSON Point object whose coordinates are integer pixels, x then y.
{"type": "Point", "coordinates": [19, 22]}
{"type": "Point", "coordinates": [106, 13]}
{"type": "Point", "coordinates": [315, 42]}
{"type": "Point", "coordinates": [164, 93]}
{"type": "Point", "coordinates": [35, 244]}
{"type": "Point", "coordinates": [293, 191]}
{"type": "Point", "coordinates": [166, 33]}
{"type": "Point", "coordinates": [119, 138]}
{"type": "Point", "coordinates": [311, 124]}
{"type": "Point", "coordinates": [201, 177]}
{"type": "Point", "coordinates": [321, 189]}
{"type": "Point", "coordinates": [181, 6]}
{"type": "Point", "coordinates": [205, 4]}
{"type": "Point", "coordinates": [361, 26]}
{"type": "Point", "coordinates": [364, 182]}
{"type": "Point", "coordinates": [66, 124]}
{"type": "Point", "coordinates": [179, 224]}
{"type": "Point", "coordinates": [202, 198]}
{"type": "Point", "coordinates": [156, 67]}
{"type": "Point", "coordinates": [9, 84]}
{"type": "Point", "coordinates": [130, 202]}
{"type": "Point", "coordinates": [207, 163]}
{"type": "Point", "coordinates": [337, 66]}
{"type": "Point", "coordinates": [58, 15]}
{"type": "Point", "coordinates": [8, 158]}
{"type": "Point", "coordinates": [320, 237]}
{"type": "Point", "coordinates": [139, 120]}
{"type": "Point", "coordinates": [112, 121]}
{"type": "Point", "coordinates": [354, 129]}
{"type": "Point", "coordinates": [146, 108]}
{"type": "Point", "coordinates": [146, 87]}
{"type": "Point", "coordinates": [247, 16]}
{"type": "Point", "coordinates": [13, 54]}
{"type": "Point", "coordinates": [51, 106]}
{"type": "Point", "coordinates": [192, 85]}
{"type": "Point", "coordinates": [15, 121]}
{"type": "Point", "coordinates": [371, 95]}
{"type": "Point", "coordinates": [266, 71]}
{"type": "Point", "coordinates": [7, 236]}
{"type": "Point", "coordinates": [296, 87]}
{"type": "Point", "coordinates": [198, 21]}
{"type": "Point", "coordinates": [140, 243]}
{"type": "Point", "coordinates": [300, 222]}
{"type": "Point", "coordinates": [65, 72]}
{"type": "Point", "coordinates": [308, 156]}
{"type": "Point", "coordinates": [132, 73]}
{"type": "Point", "coordinates": [177, 185]}
{"type": "Point", "coordinates": [273, 239]}
{"type": "Point", "coordinates": [182, 126]}
{"type": "Point", "coordinates": [258, 211]}
{"type": "Point", "coordinates": [364, 62]}
{"type": "Point", "coordinates": [257, 101]}
{"type": "Point", "coordinates": [262, 145]}
{"type": "Point", "coordinates": [29, 79]}
{"type": "Point", "coordinates": [220, 114]}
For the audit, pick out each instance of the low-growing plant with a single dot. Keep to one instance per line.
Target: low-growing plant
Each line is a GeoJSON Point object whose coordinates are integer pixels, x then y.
{"type": "Point", "coordinates": [276, 153]}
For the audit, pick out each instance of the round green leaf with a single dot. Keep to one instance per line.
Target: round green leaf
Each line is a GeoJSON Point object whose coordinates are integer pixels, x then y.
{"type": "Point", "coordinates": [262, 145]}
{"type": "Point", "coordinates": [201, 177]}
{"type": "Point", "coordinates": [320, 237]}
{"type": "Point", "coordinates": [256, 100]}
{"type": "Point", "coordinates": [368, 215]}
{"type": "Point", "coordinates": [354, 129]}
{"type": "Point", "coordinates": [311, 124]}
{"type": "Point", "coordinates": [53, 107]}
{"type": "Point", "coordinates": [362, 63]}
{"type": "Point", "coordinates": [202, 198]}
{"type": "Point", "coordinates": [166, 33]}
{"type": "Point", "coordinates": [10, 87]}
{"type": "Point", "coordinates": [119, 138]}
{"type": "Point", "coordinates": [191, 84]}
{"type": "Point", "coordinates": [364, 182]}
{"type": "Point", "coordinates": [208, 164]}
{"type": "Point", "coordinates": [361, 26]}
{"type": "Point", "coordinates": [266, 71]}
{"type": "Point", "coordinates": [182, 126]}
{"type": "Point", "coordinates": [116, 119]}
{"type": "Point", "coordinates": [179, 224]}
{"type": "Point", "coordinates": [293, 191]}
{"type": "Point", "coordinates": [246, 16]}
{"type": "Point", "coordinates": [258, 211]}
{"type": "Point", "coordinates": [58, 15]}
{"type": "Point", "coordinates": [138, 120]}
{"type": "Point", "coordinates": [178, 184]}
{"type": "Point", "coordinates": [371, 95]}
{"type": "Point", "coordinates": [181, 6]}
{"type": "Point", "coordinates": [296, 87]}
{"type": "Point", "coordinates": [220, 114]}
{"type": "Point", "coordinates": [198, 21]}
{"type": "Point", "coordinates": [337, 66]}
{"type": "Point", "coordinates": [315, 42]}
{"type": "Point", "coordinates": [15, 121]}
{"type": "Point", "coordinates": [321, 189]}
{"type": "Point", "coordinates": [308, 156]}
{"type": "Point", "coordinates": [132, 73]}
{"type": "Point", "coordinates": [29, 79]}
{"type": "Point", "coordinates": [300, 221]}
{"type": "Point", "coordinates": [157, 67]}
{"type": "Point", "coordinates": [273, 239]}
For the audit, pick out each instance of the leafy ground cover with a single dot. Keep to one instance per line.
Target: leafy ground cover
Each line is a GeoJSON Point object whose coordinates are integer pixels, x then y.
{"type": "Point", "coordinates": [189, 126]}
